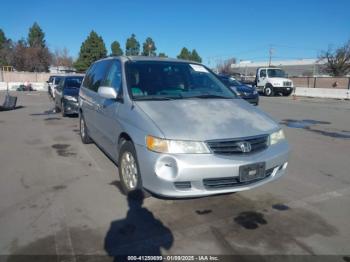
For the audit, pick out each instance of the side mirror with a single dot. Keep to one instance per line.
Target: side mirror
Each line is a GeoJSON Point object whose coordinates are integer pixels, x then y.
{"type": "Point", "coordinates": [107, 92]}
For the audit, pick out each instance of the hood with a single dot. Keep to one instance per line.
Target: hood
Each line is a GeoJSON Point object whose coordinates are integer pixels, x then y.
{"type": "Point", "coordinates": [243, 88]}
{"type": "Point", "coordinates": [71, 91]}
{"type": "Point", "coordinates": [279, 79]}
{"type": "Point", "coordinates": [206, 119]}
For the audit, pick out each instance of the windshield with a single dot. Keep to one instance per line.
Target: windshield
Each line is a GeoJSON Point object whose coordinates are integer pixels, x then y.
{"type": "Point", "coordinates": [152, 80]}
{"type": "Point", "coordinates": [276, 73]}
{"type": "Point", "coordinates": [73, 82]}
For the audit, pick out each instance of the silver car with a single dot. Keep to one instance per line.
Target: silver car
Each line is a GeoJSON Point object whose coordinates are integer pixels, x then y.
{"type": "Point", "coordinates": [175, 130]}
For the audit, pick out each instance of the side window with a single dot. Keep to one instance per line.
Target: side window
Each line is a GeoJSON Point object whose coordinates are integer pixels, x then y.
{"type": "Point", "coordinates": [60, 84]}
{"type": "Point", "coordinates": [99, 74]}
{"type": "Point", "coordinates": [114, 76]}
{"type": "Point", "coordinates": [263, 73]}
{"type": "Point", "coordinates": [87, 83]}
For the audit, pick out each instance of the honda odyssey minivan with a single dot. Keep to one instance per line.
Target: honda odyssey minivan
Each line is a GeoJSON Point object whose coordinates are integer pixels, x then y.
{"type": "Point", "coordinates": [174, 129]}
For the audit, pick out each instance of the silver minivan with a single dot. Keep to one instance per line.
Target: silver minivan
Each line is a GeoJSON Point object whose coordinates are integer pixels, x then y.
{"type": "Point", "coordinates": [174, 129]}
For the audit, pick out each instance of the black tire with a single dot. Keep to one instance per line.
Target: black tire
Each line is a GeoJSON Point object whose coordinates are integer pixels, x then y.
{"type": "Point", "coordinates": [63, 111]}
{"type": "Point", "coordinates": [268, 90]}
{"type": "Point", "coordinates": [127, 147]}
{"type": "Point", "coordinates": [84, 134]}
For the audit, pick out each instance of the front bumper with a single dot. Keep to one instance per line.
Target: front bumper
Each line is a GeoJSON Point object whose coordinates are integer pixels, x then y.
{"type": "Point", "coordinates": [167, 175]}
{"type": "Point", "coordinates": [71, 107]}
{"type": "Point", "coordinates": [284, 89]}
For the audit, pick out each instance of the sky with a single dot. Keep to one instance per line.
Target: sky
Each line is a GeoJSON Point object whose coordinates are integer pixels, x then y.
{"type": "Point", "coordinates": [217, 29]}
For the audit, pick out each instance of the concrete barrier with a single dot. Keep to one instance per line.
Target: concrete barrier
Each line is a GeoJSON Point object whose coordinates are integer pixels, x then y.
{"type": "Point", "coordinates": [323, 92]}
{"type": "Point", "coordinates": [39, 86]}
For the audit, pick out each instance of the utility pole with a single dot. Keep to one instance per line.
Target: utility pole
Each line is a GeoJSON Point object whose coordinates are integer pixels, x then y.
{"type": "Point", "coordinates": [271, 50]}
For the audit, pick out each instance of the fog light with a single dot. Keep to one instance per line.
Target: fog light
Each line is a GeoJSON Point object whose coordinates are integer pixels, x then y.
{"type": "Point", "coordinates": [166, 168]}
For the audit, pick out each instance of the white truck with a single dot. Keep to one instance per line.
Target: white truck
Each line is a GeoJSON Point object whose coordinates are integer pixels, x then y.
{"type": "Point", "coordinates": [273, 80]}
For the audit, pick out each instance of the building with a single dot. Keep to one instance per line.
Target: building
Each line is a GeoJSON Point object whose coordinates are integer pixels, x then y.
{"type": "Point", "coordinates": [61, 69]}
{"type": "Point", "coordinates": [301, 67]}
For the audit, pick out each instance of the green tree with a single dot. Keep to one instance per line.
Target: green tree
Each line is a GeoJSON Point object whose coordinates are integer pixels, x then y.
{"type": "Point", "coordinates": [36, 36]}
{"type": "Point", "coordinates": [132, 46]}
{"type": "Point", "coordinates": [149, 47]}
{"type": "Point", "coordinates": [195, 57]}
{"type": "Point", "coordinates": [116, 49]}
{"type": "Point", "coordinates": [337, 61]}
{"type": "Point", "coordinates": [5, 49]}
{"type": "Point", "coordinates": [184, 54]}
{"type": "Point", "coordinates": [3, 39]}
{"type": "Point", "coordinates": [162, 55]}
{"type": "Point", "coordinates": [92, 49]}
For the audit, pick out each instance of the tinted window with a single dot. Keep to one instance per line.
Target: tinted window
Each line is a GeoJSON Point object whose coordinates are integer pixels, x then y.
{"type": "Point", "coordinates": [263, 73]}
{"type": "Point", "coordinates": [89, 77]}
{"type": "Point", "coordinates": [73, 82]}
{"type": "Point", "coordinates": [114, 76]}
{"type": "Point", "coordinates": [157, 80]}
{"type": "Point", "coordinates": [57, 80]}
{"type": "Point", "coordinates": [50, 79]}
{"type": "Point", "coordinates": [96, 75]}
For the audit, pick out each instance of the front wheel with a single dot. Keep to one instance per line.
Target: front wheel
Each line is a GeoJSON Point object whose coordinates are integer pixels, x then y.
{"type": "Point", "coordinates": [128, 168]}
{"type": "Point", "coordinates": [268, 91]}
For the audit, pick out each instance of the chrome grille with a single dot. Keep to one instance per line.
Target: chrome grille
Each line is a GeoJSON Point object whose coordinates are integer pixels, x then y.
{"type": "Point", "coordinates": [227, 182]}
{"type": "Point", "coordinates": [287, 83]}
{"type": "Point", "coordinates": [231, 146]}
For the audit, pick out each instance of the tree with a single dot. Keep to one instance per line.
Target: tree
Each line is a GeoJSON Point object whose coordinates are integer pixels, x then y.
{"type": "Point", "coordinates": [92, 49]}
{"type": "Point", "coordinates": [184, 54]}
{"type": "Point", "coordinates": [116, 49]}
{"type": "Point", "coordinates": [337, 61]}
{"type": "Point", "coordinates": [162, 54]}
{"type": "Point", "coordinates": [132, 46]}
{"type": "Point", "coordinates": [62, 58]}
{"type": "Point", "coordinates": [225, 66]}
{"type": "Point", "coordinates": [195, 57]}
{"type": "Point", "coordinates": [5, 49]}
{"type": "Point", "coordinates": [149, 47]}
{"type": "Point", "coordinates": [36, 36]}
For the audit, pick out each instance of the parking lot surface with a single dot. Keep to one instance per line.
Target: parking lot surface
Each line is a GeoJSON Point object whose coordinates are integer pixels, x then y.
{"type": "Point", "coordinates": [58, 196]}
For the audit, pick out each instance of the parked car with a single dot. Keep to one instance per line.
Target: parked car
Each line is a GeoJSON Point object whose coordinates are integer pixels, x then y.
{"type": "Point", "coordinates": [67, 93]}
{"type": "Point", "coordinates": [273, 80]}
{"type": "Point", "coordinates": [175, 129]}
{"type": "Point", "coordinates": [52, 83]}
{"type": "Point", "coordinates": [248, 93]}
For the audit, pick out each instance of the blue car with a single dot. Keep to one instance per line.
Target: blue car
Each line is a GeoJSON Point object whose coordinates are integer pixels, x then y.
{"type": "Point", "coordinates": [246, 92]}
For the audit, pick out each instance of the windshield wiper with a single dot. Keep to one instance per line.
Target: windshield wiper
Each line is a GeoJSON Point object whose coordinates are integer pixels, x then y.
{"type": "Point", "coordinates": [155, 98]}
{"type": "Point", "coordinates": [208, 96]}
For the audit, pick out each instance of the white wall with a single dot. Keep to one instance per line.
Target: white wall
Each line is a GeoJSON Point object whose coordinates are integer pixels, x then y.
{"type": "Point", "coordinates": [39, 86]}
{"type": "Point", "coordinates": [323, 92]}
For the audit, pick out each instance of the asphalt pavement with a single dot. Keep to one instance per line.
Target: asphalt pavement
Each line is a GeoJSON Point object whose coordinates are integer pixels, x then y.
{"type": "Point", "coordinates": [58, 196]}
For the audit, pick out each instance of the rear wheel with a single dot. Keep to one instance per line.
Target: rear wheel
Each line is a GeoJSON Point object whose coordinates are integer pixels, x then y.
{"type": "Point", "coordinates": [268, 90]}
{"type": "Point", "coordinates": [128, 168]}
{"type": "Point", "coordinates": [63, 110]}
{"type": "Point", "coordinates": [85, 138]}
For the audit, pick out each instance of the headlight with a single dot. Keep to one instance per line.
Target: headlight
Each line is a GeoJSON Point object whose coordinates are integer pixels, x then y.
{"type": "Point", "coordinates": [175, 146]}
{"type": "Point", "coordinates": [255, 92]}
{"type": "Point", "coordinates": [71, 98]}
{"type": "Point", "coordinates": [277, 137]}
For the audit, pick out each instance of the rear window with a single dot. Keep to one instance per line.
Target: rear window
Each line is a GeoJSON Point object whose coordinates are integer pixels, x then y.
{"type": "Point", "coordinates": [73, 82]}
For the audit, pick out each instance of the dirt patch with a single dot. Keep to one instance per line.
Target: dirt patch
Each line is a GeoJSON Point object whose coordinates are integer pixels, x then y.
{"type": "Point", "coordinates": [250, 219]}
{"type": "Point", "coordinates": [63, 150]}
{"type": "Point", "coordinates": [52, 118]}
{"type": "Point", "coordinates": [59, 187]}
{"type": "Point", "coordinates": [280, 207]}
